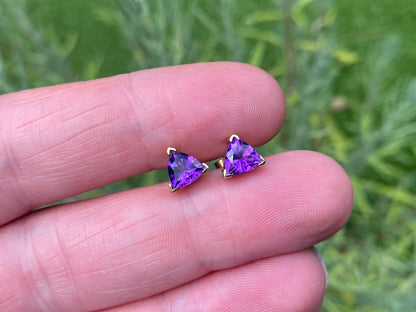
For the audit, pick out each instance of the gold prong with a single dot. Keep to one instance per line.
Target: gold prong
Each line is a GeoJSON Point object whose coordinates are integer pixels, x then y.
{"type": "Point", "coordinates": [220, 163]}
{"type": "Point", "coordinates": [234, 136]}
{"type": "Point", "coordinates": [206, 168]}
{"type": "Point", "coordinates": [226, 175]}
{"type": "Point", "coordinates": [263, 161]}
{"type": "Point", "coordinates": [172, 189]}
{"type": "Point", "coordinates": [170, 150]}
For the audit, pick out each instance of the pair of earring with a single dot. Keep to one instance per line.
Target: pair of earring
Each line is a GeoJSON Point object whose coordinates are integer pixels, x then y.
{"type": "Point", "coordinates": [184, 169]}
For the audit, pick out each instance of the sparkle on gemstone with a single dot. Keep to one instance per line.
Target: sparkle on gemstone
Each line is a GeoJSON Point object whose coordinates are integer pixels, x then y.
{"type": "Point", "coordinates": [240, 157]}
{"type": "Point", "coordinates": [183, 169]}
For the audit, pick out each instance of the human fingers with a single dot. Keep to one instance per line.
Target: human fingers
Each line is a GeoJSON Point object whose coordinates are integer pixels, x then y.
{"type": "Point", "coordinates": [291, 282]}
{"type": "Point", "coordinates": [59, 141]}
{"type": "Point", "coordinates": [127, 246]}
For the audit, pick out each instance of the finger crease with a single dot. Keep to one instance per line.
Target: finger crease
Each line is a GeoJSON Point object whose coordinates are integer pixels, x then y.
{"type": "Point", "coordinates": [21, 195]}
{"type": "Point", "coordinates": [202, 261]}
{"type": "Point", "coordinates": [125, 86]}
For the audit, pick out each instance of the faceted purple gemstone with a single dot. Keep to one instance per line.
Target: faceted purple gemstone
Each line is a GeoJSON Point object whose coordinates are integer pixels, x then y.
{"type": "Point", "coordinates": [183, 169]}
{"type": "Point", "coordinates": [240, 157]}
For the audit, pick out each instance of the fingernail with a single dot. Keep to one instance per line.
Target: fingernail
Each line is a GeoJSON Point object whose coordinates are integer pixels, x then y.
{"type": "Point", "coordinates": [318, 255]}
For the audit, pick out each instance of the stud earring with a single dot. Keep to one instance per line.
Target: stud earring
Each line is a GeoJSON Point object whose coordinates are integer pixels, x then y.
{"type": "Point", "coordinates": [183, 169]}
{"type": "Point", "coordinates": [239, 158]}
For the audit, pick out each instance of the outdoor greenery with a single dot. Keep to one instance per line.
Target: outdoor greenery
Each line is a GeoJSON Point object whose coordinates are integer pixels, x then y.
{"type": "Point", "coordinates": [348, 71]}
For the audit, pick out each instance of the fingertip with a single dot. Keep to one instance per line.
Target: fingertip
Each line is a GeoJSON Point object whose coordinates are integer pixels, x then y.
{"type": "Point", "coordinates": [318, 255]}
{"type": "Point", "coordinates": [222, 97]}
{"type": "Point", "coordinates": [337, 192]}
{"type": "Point", "coordinates": [309, 281]}
{"type": "Point", "coordinates": [261, 97]}
{"type": "Point", "coordinates": [298, 197]}
{"type": "Point", "coordinates": [330, 194]}
{"type": "Point", "coordinates": [290, 282]}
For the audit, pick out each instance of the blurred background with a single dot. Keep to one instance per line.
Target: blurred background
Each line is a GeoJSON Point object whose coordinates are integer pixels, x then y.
{"type": "Point", "coordinates": [348, 71]}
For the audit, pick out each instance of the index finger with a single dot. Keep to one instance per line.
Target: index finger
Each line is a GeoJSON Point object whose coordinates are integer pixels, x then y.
{"type": "Point", "coordinates": [59, 141]}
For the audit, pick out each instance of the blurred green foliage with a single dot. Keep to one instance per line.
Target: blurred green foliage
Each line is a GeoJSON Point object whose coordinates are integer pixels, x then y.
{"type": "Point", "coordinates": [348, 71]}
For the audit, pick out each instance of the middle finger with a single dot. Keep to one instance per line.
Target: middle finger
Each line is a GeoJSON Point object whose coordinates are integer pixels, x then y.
{"type": "Point", "coordinates": [123, 247]}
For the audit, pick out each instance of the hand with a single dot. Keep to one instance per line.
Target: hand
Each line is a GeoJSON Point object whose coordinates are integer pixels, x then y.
{"type": "Point", "coordinates": [217, 245]}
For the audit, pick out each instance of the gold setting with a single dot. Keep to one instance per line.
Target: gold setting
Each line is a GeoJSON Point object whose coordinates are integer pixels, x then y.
{"type": "Point", "coordinates": [233, 136]}
{"type": "Point", "coordinates": [263, 161]}
{"type": "Point", "coordinates": [172, 189]}
{"type": "Point", "coordinates": [220, 163]}
{"type": "Point", "coordinates": [171, 150]}
{"type": "Point", "coordinates": [206, 168]}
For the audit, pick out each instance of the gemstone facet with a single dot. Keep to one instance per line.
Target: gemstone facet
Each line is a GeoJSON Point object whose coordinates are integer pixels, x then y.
{"type": "Point", "coordinates": [241, 158]}
{"type": "Point", "coordinates": [183, 169]}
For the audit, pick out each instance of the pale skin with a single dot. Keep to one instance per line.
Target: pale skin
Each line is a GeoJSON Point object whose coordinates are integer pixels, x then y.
{"type": "Point", "coordinates": [239, 244]}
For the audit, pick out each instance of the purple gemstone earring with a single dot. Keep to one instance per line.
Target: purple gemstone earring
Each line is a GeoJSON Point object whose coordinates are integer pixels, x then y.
{"type": "Point", "coordinates": [239, 158]}
{"type": "Point", "coordinates": [183, 169]}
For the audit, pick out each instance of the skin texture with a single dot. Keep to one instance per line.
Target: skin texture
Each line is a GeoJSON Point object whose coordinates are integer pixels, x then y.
{"type": "Point", "coordinates": [216, 245]}
{"type": "Point", "coordinates": [291, 282]}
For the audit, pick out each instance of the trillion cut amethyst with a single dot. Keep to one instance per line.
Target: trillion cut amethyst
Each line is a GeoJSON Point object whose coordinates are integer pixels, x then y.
{"type": "Point", "coordinates": [240, 158]}
{"type": "Point", "coordinates": [183, 169]}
